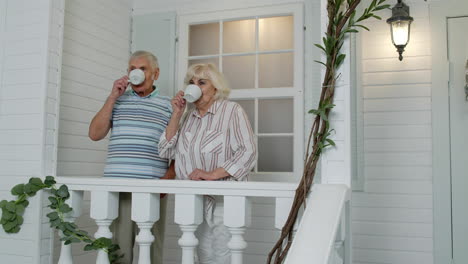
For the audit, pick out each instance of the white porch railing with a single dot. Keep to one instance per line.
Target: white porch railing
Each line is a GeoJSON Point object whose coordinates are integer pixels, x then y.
{"type": "Point", "coordinates": [189, 212]}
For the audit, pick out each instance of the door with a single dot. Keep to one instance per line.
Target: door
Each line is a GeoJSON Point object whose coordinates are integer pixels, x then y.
{"type": "Point", "coordinates": [458, 107]}
{"type": "Point", "coordinates": [156, 33]}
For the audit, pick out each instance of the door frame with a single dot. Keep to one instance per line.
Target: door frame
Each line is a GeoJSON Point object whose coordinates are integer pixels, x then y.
{"type": "Point", "coordinates": [442, 225]}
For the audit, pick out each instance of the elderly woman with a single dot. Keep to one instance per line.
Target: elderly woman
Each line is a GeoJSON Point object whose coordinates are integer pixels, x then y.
{"type": "Point", "coordinates": [214, 141]}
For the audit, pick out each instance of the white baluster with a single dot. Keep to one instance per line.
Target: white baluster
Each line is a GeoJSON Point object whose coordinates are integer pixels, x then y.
{"type": "Point", "coordinates": [145, 212]}
{"type": "Point", "coordinates": [236, 219]}
{"type": "Point", "coordinates": [75, 200]}
{"type": "Point", "coordinates": [104, 209]}
{"type": "Point", "coordinates": [188, 215]}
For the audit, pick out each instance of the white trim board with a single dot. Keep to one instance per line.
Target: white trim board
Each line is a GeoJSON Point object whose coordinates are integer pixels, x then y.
{"type": "Point", "coordinates": [439, 12]}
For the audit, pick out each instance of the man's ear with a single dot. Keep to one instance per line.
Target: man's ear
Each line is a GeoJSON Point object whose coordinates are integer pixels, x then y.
{"type": "Point", "coordinates": [156, 74]}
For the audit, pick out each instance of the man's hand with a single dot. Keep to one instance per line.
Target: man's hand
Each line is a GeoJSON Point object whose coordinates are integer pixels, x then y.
{"type": "Point", "coordinates": [119, 87]}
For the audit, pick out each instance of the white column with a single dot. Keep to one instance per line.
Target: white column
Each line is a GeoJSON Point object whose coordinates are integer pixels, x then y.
{"type": "Point", "coordinates": [145, 211]}
{"type": "Point", "coordinates": [104, 209]}
{"type": "Point", "coordinates": [188, 215]}
{"type": "Point", "coordinates": [236, 218]}
{"type": "Point", "coordinates": [75, 200]}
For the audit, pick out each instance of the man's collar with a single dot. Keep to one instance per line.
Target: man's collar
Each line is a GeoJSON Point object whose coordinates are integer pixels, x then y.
{"type": "Point", "coordinates": [155, 92]}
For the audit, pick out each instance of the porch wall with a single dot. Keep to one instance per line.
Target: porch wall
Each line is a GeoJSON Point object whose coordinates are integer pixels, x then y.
{"type": "Point", "coordinates": [392, 218]}
{"type": "Point", "coordinates": [30, 37]}
{"type": "Point", "coordinates": [96, 46]}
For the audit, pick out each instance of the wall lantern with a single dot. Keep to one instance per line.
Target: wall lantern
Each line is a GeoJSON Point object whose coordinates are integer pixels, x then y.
{"type": "Point", "coordinates": [400, 26]}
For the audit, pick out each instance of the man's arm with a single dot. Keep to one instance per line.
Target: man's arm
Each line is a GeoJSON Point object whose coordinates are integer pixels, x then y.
{"type": "Point", "coordinates": [101, 123]}
{"type": "Point", "coordinates": [170, 173]}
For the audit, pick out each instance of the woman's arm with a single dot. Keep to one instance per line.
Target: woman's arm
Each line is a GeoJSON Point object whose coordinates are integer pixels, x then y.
{"type": "Point", "coordinates": [243, 144]}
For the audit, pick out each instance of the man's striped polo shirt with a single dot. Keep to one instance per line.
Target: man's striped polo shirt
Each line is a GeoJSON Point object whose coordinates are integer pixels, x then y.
{"type": "Point", "coordinates": [137, 124]}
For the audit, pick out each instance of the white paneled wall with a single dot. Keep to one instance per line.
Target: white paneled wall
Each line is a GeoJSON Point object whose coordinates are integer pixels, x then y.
{"type": "Point", "coordinates": [96, 47]}
{"type": "Point", "coordinates": [95, 53]}
{"type": "Point", "coordinates": [392, 218]}
{"type": "Point", "coordinates": [28, 39]}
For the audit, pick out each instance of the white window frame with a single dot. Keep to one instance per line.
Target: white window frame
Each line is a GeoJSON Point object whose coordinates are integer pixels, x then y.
{"type": "Point", "coordinates": [296, 92]}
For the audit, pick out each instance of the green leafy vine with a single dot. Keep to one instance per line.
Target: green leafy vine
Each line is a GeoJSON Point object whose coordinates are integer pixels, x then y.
{"type": "Point", "coordinates": [13, 211]}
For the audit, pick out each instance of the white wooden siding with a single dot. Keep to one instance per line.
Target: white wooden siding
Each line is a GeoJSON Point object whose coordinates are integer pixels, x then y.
{"type": "Point", "coordinates": [96, 46]}
{"type": "Point", "coordinates": [25, 29]}
{"type": "Point", "coordinates": [392, 218]}
{"type": "Point", "coordinates": [95, 53]}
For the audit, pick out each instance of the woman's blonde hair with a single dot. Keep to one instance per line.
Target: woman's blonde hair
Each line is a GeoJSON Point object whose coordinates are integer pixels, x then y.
{"type": "Point", "coordinates": [209, 72]}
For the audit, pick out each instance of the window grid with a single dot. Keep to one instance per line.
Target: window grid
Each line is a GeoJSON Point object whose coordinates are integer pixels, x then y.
{"type": "Point", "coordinates": [256, 99]}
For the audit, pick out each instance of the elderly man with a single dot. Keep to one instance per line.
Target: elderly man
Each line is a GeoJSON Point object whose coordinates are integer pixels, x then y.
{"type": "Point", "coordinates": [137, 118]}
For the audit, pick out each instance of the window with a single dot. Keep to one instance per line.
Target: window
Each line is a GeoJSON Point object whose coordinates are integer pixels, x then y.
{"type": "Point", "coordinates": [260, 52]}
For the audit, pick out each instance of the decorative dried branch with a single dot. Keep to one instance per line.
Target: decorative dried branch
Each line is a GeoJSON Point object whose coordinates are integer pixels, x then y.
{"type": "Point", "coordinates": [341, 21]}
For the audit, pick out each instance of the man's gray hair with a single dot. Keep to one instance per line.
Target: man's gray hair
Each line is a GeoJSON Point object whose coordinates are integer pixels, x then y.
{"type": "Point", "coordinates": [153, 60]}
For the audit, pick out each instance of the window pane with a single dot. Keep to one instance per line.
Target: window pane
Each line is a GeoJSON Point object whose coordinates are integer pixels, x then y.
{"type": "Point", "coordinates": [275, 154]}
{"type": "Point", "coordinates": [214, 61]}
{"type": "Point", "coordinates": [275, 116]}
{"type": "Point", "coordinates": [249, 108]}
{"type": "Point", "coordinates": [239, 36]}
{"type": "Point", "coordinates": [276, 70]}
{"type": "Point", "coordinates": [240, 71]}
{"type": "Point", "coordinates": [204, 39]}
{"type": "Point", "coordinates": [276, 33]}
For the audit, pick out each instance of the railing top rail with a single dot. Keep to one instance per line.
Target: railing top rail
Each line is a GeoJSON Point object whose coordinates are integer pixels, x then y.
{"type": "Point", "coordinates": [317, 231]}
{"type": "Point", "coordinates": [255, 189]}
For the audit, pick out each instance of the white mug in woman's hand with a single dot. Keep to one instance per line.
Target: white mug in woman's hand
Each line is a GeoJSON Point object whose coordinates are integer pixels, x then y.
{"type": "Point", "coordinates": [136, 77]}
{"type": "Point", "coordinates": [192, 93]}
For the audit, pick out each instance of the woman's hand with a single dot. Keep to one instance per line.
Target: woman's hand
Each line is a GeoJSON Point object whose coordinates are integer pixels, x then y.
{"type": "Point", "coordinates": [119, 87]}
{"type": "Point", "coordinates": [178, 103]}
{"type": "Point", "coordinates": [201, 175]}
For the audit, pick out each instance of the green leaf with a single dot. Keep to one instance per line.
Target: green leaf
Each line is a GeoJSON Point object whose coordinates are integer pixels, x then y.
{"type": "Point", "coordinates": [320, 47]}
{"type": "Point", "coordinates": [24, 203]}
{"type": "Point", "coordinates": [52, 215]}
{"type": "Point", "coordinates": [11, 207]}
{"type": "Point", "coordinates": [88, 248]}
{"type": "Point", "coordinates": [63, 191]}
{"type": "Point", "coordinates": [106, 242]}
{"type": "Point", "coordinates": [18, 189]}
{"type": "Point", "coordinates": [3, 203]}
{"type": "Point", "coordinates": [36, 181]}
{"type": "Point", "coordinates": [377, 17]}
{"type": "Point", "coordinates": [340, 59]}
{"type": "Point", "coordinates": [49, 181]}
{"type": "Point", "coordinates": [19, 209]}
{"type": "Point", "coordinates": [331, 142]}
{"type": "Point", "coordinates": [9, 226]}
{"type": "Point", "coordinates": [19, 220]}
{"type": "Point", "coordinates": [320, 63]}
{"type": "Point", "coordinates": [382, 7]}
{"type": "Point", "coordinates": [53, 200]}
{"type": "Point", "coordinates": [64, 208]}
{"type": "Point", "coordinates": [28, 190]}
{"type": "Point", "coordinates": [7, 215]}
{"type": "Point", "coordinates": [364, 27]}
{"type": "Point", "coordinates": [15, 230]}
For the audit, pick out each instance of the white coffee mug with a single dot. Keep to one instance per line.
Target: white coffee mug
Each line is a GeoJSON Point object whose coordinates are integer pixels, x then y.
{"type": "Point", "coordinates": [136, 77]}
{"type": "Point", "coordinates": [192, 93]}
